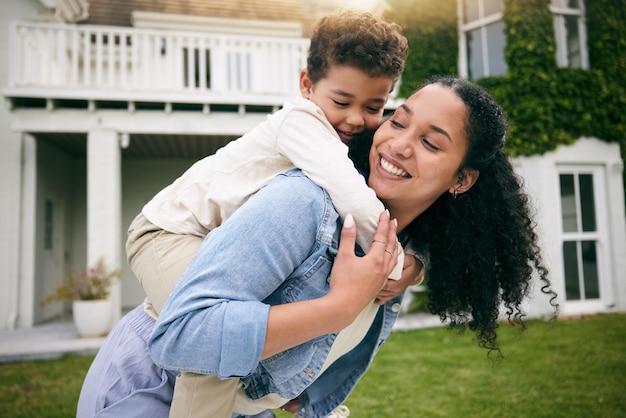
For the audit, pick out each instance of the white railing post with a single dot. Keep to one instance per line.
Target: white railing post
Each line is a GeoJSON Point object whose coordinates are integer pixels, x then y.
{"type": "Point", "coordinates": [74, 58]}
{"type": "Point", "coordinates": [123, 61]}
{"type": "Point", "coordinates": [43, 59]}
{"type": "Point", "coordinates": [60, 60]}
{"type": "Point", "coordinates": [86, 58]}
{"type": "Point", "coordinates": [99, 60]}
{"type": "Point", "coordinates": [191, 63]}
{"type": "Point", "coordinates": [111, 59]}
{"type": "Point", "coordinates": [202, 68]}
{"type": "Point", "coordinates": [144, 64]}
{"type": "Point", "coordinates": [134, 60]}
{"type": "Point", "coordinates": [17, 49]}
{"type": "Point", "coordinates": [156, 66]}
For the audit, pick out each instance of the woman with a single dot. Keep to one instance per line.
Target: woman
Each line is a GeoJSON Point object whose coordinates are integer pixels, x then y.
{"type": "Point", "coordinates": [264, 307]}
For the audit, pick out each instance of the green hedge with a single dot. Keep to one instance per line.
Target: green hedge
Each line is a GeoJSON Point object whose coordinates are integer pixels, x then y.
{"type": "Point", "coordinates": [430, 28]}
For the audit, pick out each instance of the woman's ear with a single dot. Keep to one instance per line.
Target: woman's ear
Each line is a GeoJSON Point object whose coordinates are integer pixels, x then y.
{"type": "Point", "coordinates": [465, 181]}
{"type": "Point", "coordinates": [305, 84]}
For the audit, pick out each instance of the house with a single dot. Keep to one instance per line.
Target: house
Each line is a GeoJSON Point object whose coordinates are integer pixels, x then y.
{"type": "Point", "coordinates": [576, 183]}
{"type": "Point", "coordinates": [109, 101]}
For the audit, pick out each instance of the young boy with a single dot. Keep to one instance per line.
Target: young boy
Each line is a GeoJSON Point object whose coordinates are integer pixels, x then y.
{"type": "Point", "coordinates": [353, 64]}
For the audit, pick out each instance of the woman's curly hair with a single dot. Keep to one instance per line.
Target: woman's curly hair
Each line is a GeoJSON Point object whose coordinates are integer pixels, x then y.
{"type": "Point", "coordinates": [482, 246]}
{"type": "Point", "coordinates": [362, 40]}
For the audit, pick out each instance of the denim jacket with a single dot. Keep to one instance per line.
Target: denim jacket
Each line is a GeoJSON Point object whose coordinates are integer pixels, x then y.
{"type": "Point", "coordinates": [277, 248]}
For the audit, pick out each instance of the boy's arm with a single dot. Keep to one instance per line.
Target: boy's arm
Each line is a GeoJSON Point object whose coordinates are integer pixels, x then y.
{"type": "Point", "coordinates": [309, 141]}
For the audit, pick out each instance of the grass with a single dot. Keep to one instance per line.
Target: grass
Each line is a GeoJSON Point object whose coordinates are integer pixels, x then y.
{"type": "Point", "coordinates": [46, 388]}
{"type": "Point", "coordinates": [569, 368]}
{"type": "Point", "coordinates": [561, 369]}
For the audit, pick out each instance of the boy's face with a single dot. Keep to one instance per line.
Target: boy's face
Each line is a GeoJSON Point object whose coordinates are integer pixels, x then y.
{"type": "Point", "coordinates": [351, 100]}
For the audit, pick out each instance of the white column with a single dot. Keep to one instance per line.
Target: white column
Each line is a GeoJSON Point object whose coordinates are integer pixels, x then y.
{"type": "Point", "coordinates": [104, 195]}
{"type": "Point", "coordinates": [28, 223]}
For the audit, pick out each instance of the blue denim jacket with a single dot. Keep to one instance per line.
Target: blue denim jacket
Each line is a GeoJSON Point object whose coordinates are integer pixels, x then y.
{"type": "Point", "coordinates": [277, 248]}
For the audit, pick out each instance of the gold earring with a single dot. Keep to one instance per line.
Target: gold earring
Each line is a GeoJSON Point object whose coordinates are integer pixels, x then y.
{"type": "Point", "coordinates": [459, 182]}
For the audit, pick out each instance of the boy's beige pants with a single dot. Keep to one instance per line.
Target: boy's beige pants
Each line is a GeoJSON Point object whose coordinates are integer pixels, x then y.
{"type": "Point", "coordinates": [158, 259]}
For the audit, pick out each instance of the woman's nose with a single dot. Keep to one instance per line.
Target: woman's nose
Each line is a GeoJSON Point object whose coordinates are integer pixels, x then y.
{"type": "Point", "coordinates": [400, 145]}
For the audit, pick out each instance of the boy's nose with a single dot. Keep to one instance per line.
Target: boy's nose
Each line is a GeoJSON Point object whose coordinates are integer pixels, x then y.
{"type": "Point", "coordinates": [355, 119]}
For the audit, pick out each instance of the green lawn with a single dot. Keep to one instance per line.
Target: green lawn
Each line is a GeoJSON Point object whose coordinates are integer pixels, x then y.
{"type": "Point", "coordinates": [568, 368]}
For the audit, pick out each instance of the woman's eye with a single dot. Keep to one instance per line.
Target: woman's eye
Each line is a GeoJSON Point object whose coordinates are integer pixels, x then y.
{"type": "Point", "coordinates": [429, 145]}
{"type": "Point", "coordinates": [395, 123]}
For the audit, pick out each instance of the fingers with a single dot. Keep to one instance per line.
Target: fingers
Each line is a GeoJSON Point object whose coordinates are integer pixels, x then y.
{"type": "Point", "coordinates": [355, 281]}
{"type": "Point", "coordinates": [385, 236]}
{"type": "Point", "coordinates": [385, 243]}
{"type": "Point", "coordinates": [393, 240]}
{"type": "Point", "coordinates": [412, 269]}
{"type": "Point", "coordinates": [384, 246]}
{"type": "Point", "coordinates": [348, 236]}
{"type": "Point", "coordinates": [391, 249]}
{"type": "Point", "coordinates": [381, 236]}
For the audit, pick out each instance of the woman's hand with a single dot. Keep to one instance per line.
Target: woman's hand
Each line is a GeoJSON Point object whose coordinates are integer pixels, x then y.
{"type": "Point", "coordinates": [412, 274]}
{"type": "Point", "coordinates": [355, 281]}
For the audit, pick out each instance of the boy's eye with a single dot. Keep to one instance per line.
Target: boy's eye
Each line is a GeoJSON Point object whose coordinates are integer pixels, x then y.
{"type": "Point", "coordinates": [338, 103]}
{"type": "Point", "coordinates": [374, 110]}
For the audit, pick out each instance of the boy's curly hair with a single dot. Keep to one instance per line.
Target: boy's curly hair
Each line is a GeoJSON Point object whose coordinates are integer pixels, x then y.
{"type": "Point", "coordinates": [482, 245]}
{"type": "Point", "coordinates": [362, 40]}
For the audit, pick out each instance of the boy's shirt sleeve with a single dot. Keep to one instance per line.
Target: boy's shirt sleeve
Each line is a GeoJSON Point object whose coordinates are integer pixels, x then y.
{"type": "Point", "coordinates": [309, 141]}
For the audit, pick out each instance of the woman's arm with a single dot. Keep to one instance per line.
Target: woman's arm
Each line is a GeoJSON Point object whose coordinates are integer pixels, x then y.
{"type": "Point", "coordinates": [214, 322]}
{"type": "Point", "coordinates": [346, 298]}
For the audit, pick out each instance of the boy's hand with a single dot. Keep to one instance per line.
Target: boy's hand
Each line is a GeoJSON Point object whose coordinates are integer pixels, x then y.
{"type": "Point", "coordinates": [412, 274]}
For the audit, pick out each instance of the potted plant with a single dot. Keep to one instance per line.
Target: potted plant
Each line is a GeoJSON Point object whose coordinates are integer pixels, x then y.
{"type": "Point", "coordinates": [88, 291]}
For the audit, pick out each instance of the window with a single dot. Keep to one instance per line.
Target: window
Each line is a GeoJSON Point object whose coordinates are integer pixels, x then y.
{"type": "Point", "coordinates": [482, 39]}
{"type": "Point", "coordinates": [583, 240]}
{"type": "Point", "coordinates": [570, 33]}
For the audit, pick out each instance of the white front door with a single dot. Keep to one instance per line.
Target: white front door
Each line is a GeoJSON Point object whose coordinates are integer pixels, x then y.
{"type": "Point", "coordinates": [53, 177]}
{"type": "Point", "coordinates": [51, 264]}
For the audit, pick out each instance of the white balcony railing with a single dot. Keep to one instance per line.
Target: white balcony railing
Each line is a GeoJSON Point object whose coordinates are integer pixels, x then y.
{"type": "Point", "coordinates": [54, 61]}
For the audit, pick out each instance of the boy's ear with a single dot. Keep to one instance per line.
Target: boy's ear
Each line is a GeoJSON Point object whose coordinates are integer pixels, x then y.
{"type": "Point", "coordinates": [305, 84]}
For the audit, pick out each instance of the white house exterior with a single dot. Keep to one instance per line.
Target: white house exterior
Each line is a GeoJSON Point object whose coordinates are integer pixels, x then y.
{"type": "Point", "coordinates": [101, 117]}
{"type": "Point", "coordinates": [577, 189]}
{"type": "Point", "coordinates": [578, 194]}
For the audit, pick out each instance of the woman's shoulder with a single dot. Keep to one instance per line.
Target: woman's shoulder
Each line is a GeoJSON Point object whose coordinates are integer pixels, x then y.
{"type": "Point", "coordinates": [291, 193]}
{"type": "Point", "coordinates": [294, 182]}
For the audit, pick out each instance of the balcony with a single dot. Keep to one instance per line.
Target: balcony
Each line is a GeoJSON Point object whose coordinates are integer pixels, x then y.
{"type": "Point", "coordinates": [55, 65]}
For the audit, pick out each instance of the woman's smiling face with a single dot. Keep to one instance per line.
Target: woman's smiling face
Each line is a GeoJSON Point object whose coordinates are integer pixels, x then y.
{"type": "Point", "coordinates": [416, 154]}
